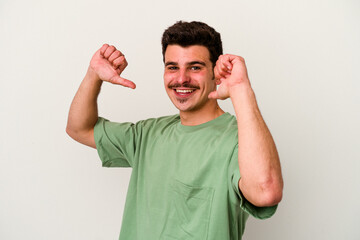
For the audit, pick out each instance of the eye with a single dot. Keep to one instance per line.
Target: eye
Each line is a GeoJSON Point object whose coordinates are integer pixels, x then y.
{"type": "Point", "coordinates": [172, 68]}
{"type": "Point", "coordinates": [195, 68]}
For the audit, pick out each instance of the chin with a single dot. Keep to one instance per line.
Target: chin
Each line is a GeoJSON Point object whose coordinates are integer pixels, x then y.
{"type": "Point", "coordinates": [187, 105]}
{"type": "Point", "coordinates": [187, 108]}
{"type": "Point", "coordinates": [183, 108]}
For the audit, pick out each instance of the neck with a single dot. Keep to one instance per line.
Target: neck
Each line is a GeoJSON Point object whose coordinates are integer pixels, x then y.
{"type": "Point", "coordinates": [200, 116]}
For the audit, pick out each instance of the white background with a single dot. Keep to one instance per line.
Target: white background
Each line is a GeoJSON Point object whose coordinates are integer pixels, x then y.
{"type": "Point", "coordinates": [303, 59]}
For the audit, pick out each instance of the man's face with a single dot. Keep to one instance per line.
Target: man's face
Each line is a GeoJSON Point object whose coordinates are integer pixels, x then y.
{"type": "Point", "coordinates": [188, 76]}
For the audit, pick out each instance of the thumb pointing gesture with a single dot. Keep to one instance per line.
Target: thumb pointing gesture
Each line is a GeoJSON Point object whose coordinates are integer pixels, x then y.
{"type": "Point", "coordinates": [108, 63]}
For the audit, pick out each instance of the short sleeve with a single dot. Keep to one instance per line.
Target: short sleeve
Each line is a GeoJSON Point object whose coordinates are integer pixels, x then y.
{"type": "Point", "coordinates": [115, 143]}
{"type": "Point", "coordinates": [257, 212]}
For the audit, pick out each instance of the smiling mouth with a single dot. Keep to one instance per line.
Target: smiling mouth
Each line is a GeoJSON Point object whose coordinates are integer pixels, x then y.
{"type": "Point", "coordinates": [183, 93]}
{"type": "Point", "coordinates": [184, 90]}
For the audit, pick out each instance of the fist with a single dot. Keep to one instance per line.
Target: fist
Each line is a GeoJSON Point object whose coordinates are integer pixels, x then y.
{"type": "Point", "coordinates": [230, 71]}
{"type": "Point", "coordinates": [108, 63]}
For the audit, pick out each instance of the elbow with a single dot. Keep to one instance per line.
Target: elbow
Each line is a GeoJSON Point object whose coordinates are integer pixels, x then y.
{"type": "Point", "coordinates": [264, 195]}
{"type": "Point", "coordinates": [84, 137]}
{"type": "Point", "coordinates": [70, 132]}
{"type": "Point", "coordinates": [271, 198]}
{"type": "Point", "coordinates": [74, 134]}
{"type": "Point", "coordinates": [271, 194]}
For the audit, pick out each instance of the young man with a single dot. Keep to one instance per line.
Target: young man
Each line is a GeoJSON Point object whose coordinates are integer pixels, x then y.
{"type": "Point", "coordinates": [185, 182]}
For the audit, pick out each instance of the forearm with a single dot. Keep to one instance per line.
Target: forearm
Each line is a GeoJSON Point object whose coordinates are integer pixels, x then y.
{"type": "Point", "coordinates": [83, 112]}
{"type": "Point", "coordinates": [261, 181]}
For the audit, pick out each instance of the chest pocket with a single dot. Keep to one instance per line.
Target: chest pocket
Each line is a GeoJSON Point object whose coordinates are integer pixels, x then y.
{"type": "Point", "coordinates": [189, 213]}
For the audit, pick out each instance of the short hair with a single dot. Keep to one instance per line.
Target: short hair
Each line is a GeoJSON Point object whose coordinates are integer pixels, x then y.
{"type": "Point", "coordinates": [193, 33]}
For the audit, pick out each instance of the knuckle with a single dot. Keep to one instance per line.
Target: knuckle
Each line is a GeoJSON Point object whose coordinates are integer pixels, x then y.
{"type": "Point", "coordinates": [119, 60]}
{"type": "Point", "coordinates": [112, 48]}
{"type": "Point", "coordinates": [103, 48]}
{"type": "Point", "coordinates": [115, 55]}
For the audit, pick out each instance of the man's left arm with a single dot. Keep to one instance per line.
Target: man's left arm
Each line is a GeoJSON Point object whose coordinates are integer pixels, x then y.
{"type": "Point", "coordinates": [261, 181]}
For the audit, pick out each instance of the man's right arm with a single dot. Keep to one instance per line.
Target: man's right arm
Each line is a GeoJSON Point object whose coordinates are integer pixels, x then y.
{"type": "Point", "coordinates": [106, 65]}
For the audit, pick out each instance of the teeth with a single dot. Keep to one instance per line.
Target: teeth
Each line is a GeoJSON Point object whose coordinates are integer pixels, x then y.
{"type": "Point", "coordinates": [184, 91]}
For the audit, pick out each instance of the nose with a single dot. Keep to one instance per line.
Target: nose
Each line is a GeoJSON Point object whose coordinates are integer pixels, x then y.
{"type": "Point", "coordinates": [183, 77]}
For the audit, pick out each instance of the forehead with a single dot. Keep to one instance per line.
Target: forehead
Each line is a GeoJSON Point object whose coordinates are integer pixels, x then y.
{"type": "Point", "coordinates": [179, 54]}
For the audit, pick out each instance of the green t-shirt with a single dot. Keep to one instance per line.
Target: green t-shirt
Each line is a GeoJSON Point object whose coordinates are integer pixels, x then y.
{"type": "Point", "coordinates": [184, 181]}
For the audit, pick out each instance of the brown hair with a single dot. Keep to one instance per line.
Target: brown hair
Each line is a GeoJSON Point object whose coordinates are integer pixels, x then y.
{"type": "Point", "coordinates": [193, 33]}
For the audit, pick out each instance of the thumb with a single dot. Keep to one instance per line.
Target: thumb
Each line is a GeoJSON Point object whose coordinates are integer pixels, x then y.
{"type": "Point", "coordinates": [213, 95]}
{"type": "Point", "coordinates": [123, 82]}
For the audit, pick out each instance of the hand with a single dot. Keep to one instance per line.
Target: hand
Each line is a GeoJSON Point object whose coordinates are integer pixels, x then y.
{"type": "Point", "coordinates": [230, 71]}
{"type": "Point", "coordinates": [108, 63]}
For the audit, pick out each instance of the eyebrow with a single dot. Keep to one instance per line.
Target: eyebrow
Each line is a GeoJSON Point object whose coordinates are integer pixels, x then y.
{"type": "Point", "coordinates": [170, 63]}
{"type": "Point", "coordinates": [190, 63]}
{"type": "Point", "coordinates": [197, 62]}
